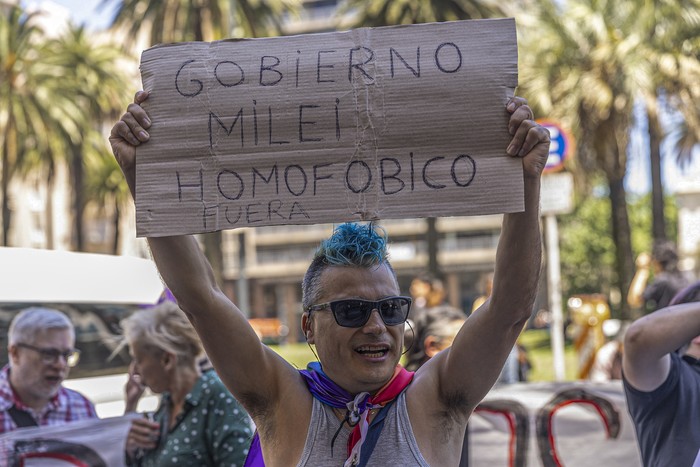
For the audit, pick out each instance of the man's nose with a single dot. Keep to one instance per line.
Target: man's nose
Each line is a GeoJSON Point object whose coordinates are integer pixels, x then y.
{"type": "Point", "coordinates": [61, 361]}
{"type": "Point", "coordinates": [375, 324]}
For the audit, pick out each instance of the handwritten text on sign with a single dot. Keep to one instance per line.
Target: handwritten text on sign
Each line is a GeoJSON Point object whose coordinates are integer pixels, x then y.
{"type": "Point", "coordinates": [393, 122]}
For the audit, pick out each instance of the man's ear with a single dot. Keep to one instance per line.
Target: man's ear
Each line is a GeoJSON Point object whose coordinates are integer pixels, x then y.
{"type": "Point", "coordinates": [12, 353]}
{"type": "Point", "coordinates": [307, 327]}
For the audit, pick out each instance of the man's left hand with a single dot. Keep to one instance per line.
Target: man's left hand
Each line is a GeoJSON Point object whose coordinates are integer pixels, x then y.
{"type": "Point", "coordinates": [530, 140]}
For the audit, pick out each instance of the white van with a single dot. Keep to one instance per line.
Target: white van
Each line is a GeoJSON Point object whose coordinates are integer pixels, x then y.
{"type": "Point", "coordinates": [96, 292]}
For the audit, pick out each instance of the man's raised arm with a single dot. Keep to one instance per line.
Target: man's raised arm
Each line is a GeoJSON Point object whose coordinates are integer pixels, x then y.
{"type": "Point", "coordinates": [247, 367]}
{"type": "Point", "coordinates": [471, 366]}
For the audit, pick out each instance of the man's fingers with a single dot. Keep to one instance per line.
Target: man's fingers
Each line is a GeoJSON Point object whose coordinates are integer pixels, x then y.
{"type": "Point", "coordinates": [521, 113]}
{"type": "Point", "coordinates": [121, 131]}
{"type": "Point", "coordinates": [517, 144]}
{"type": "Point", "coordinates": [135, 125]}
{"type": "Point", "coordinates": [515, 102]}
{"type": "Point", "coordinates": [138, 111]}
{"type": "Point", "coordinates": [130, 130]}
{"type": "Point", "coordinates": [534, 136]}
{"type": "Point", "coordinates": [139, 115]}
{"type": "Point", "coordinates": [140, 96]}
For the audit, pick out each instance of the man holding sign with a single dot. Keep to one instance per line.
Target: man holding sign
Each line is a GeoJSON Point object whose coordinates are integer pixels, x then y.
{"type": "Point", "coordinates": [357, 405]}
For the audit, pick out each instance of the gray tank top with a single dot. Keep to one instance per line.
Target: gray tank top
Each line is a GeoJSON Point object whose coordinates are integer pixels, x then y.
{"type": "Point", "coordinates": [396, 445]}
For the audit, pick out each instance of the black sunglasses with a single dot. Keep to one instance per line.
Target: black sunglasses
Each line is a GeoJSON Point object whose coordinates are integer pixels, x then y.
{"type": "Point", "coordinates": [355, 312]}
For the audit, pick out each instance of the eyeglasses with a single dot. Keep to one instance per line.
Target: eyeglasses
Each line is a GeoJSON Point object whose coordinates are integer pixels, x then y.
{"type": "Point", "coordinates": [49, 356]}
{"type": "Point", "coordinates": [355, 312]}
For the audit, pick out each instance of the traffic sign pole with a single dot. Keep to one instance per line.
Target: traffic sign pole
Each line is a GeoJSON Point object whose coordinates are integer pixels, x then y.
{"type": "Point", "coordinates": [556, 198]}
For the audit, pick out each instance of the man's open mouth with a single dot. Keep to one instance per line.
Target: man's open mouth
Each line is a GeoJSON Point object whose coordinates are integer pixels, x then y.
{"type": "Point", "coordinates": [372, 351]}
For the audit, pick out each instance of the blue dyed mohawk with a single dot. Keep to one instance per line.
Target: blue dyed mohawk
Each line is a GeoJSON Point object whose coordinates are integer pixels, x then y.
{"type": "Point", "coordinates": [354, 244]}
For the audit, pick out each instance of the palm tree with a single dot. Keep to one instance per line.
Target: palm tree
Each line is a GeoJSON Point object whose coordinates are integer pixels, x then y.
{"type": "Point", "coordinates": [33, 107]}
{"type": "Point", "coordinates": [672, 40]}
{"type": "Point", "coordinates": [389, 12]}
{"type": "Point", "coordinates": [581, 62]}
{"type": "Point", "coordinates": [205, 20]}
{"type": "Point", "coordinates": [92, 75]}
{"type": "Point", "coordinates": [105, 183]}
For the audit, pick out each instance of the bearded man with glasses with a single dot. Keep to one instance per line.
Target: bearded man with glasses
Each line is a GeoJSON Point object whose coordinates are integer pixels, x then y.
{"type": "Point", "coordinates": [356, 405]}
{"type": "Point", "coordinates": [40, 353]}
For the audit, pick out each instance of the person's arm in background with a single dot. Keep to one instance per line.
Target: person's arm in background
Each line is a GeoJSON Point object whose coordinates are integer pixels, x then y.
{"type": "Point", "coordinates": [650, 340]}
{"type": "Point", "coordinates": [143, 434]}
{"type": "Point", "coordinates": [133, 390]}
{"type": "Point", "coordinates": [635, 294]}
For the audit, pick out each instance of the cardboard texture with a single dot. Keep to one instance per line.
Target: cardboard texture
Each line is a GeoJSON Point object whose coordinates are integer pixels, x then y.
{"type": "Point", "coordinates": [367, 124]}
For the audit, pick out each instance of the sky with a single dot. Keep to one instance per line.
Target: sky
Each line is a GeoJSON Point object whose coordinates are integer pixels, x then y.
{"type": "Point", "coordinates": [89, 13]}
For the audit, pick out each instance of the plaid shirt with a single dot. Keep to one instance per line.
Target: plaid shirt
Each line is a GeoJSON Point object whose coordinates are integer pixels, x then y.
{"type": "Point", "coordinates": [66, 406]}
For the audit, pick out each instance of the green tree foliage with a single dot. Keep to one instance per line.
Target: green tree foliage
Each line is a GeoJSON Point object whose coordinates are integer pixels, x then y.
{"type": "Point", "coordinates": [167, 21]}
{"type": "Point", "coordinates": [670, 29]}
{"type": "Point", "coordinates": [105, 184]}
{"type": "Point", "coordinates": [581, 67]}
{"type": "Point", "coordinates": [587, 247]}
{"type": "Point", "coordinates": [585, 62]}
{"type": "Point", "coordinates": [390, 12]}
{"type": "Point", "coordinates": [92, 76]}
{"type": "Point", "coordinates": [53, 93]}
{"type": "Point", "coordinates": [34, 110]}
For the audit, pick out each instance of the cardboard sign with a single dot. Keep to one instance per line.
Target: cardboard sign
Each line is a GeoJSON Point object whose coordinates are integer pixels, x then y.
{"type": "Point", "coordinates": [94, 442]}
{"type": "Point", "coordinates": [404, 121]}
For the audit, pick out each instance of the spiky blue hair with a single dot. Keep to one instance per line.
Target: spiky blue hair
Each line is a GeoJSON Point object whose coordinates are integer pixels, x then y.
{"type": "Point", "coordinates": [351, 244]}
{"type": "Point", "coordinates": [354, 245]}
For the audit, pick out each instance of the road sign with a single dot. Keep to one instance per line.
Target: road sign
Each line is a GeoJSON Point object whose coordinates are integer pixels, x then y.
{"type": "Point", "coordinates": [560, 148]}
{"type": "Point", "coordinates": [557, 194]}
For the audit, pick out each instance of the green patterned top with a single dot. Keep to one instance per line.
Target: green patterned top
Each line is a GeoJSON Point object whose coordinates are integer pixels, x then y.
{"type": "Point", "coordinates": [212, 430]}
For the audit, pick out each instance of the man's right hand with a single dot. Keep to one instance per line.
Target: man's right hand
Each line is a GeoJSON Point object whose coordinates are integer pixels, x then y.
{"type": "Point", "coordinates": [129, 132]}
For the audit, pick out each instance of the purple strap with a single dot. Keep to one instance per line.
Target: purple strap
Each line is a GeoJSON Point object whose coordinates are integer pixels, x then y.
{"type": "Point", "coordinates": [254, 457]}
{"type": "Point", "coordinates": [323, 389]}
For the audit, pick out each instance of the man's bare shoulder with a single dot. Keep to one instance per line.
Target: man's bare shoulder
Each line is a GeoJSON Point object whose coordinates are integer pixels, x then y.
{"type": "Point", "coordinates": [438, 421]}
{"type": "Point", "coordinates": [283, 421]}
{"type": "Point", "coordinates": [425, 402]}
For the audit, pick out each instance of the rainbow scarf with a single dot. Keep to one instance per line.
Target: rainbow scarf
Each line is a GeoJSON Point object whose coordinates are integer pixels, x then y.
{"type": "Point", "coordinates": [358, 408]}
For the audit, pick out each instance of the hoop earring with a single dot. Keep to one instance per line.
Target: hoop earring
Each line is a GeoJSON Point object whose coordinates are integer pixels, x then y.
{"type": "Point", "coordinates": [413, 339]}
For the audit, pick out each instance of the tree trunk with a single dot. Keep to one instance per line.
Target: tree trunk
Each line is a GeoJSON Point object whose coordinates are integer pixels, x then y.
{"type": "Point", "coordinates": [657, 190]}
{"type": "Point", "coordinates": [77, 173]}
{"type": "Point", "coordinates": [49, 229]}
{"type": "Point", "coordinates": [624, 259]}
{"type": "Point", "coordinates": [432, 241]}
{"type": "Point", "coordinates": [5, 192]}
{"type": "Point", "coordinates": [116, 220]}
{"type": "Point", "coordinates": [9, 148]}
